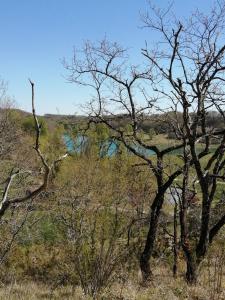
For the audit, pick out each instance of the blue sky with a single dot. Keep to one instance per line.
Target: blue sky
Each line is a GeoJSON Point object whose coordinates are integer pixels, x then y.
{"type": "Point", "coordinates": [36, 35]}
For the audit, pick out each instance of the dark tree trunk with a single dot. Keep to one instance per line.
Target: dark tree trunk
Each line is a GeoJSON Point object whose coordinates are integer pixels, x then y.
{"type": "Point", "coordinates": [191, 273]}
{"type": "Point", "coordinates": [146, 255]}
{"type": "Point", "coordinates": [204, 232]}
{"type": "Point", "coordinates": [175, 241]}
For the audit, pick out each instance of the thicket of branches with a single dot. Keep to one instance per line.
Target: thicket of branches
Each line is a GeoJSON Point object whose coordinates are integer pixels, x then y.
{"type": "Point", "coordinates": [97, 217]}
{"type": "Point", "coordinates": [183, 76]}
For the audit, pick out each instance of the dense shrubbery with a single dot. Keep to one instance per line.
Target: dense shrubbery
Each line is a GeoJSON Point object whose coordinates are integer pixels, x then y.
{"type": "Point", "coordinates": [89, 227]}
{"type": "Point", "coordinates": [28, 125]}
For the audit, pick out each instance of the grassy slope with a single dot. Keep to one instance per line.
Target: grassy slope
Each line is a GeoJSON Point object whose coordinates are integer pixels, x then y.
{"type": "Point", "coordinates": [164, 287]}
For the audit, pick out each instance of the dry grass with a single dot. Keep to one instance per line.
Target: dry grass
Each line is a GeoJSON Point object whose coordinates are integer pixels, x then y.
{"type": "Point", "coordinates": [32, 291]}
{"type": "Point", "coordinates": [163, 287]}
{"type": "Point", "coordinates": [173, 290]}
{"type": "Point", "coordinates": [162, 139]}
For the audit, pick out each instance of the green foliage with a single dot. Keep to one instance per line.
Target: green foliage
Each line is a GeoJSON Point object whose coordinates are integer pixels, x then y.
{"type": "Point", "coordinates": [52, 143]}
{"type": "Point", "coordinates": [28, 125]}
{"type": "Point", "coordinates": [79, 227]}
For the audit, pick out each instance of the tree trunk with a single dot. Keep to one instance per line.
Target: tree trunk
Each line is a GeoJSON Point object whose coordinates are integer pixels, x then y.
{"type": "Point", "coordinates": [191, 273]}
{"type": "Point", "coordinates": [175, 240]}
{"type": "Point", "coordinates": [146, 255]}
{"type": "Point", "coordinates": [204, 231]}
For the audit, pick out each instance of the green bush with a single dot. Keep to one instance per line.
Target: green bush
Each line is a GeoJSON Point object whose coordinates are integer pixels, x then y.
{"type": "Point", "coordinates": [28, 125]}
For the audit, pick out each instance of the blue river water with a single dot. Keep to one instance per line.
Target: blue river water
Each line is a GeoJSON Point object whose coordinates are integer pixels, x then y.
{"type": "Point", "coordinates": [107, 148]}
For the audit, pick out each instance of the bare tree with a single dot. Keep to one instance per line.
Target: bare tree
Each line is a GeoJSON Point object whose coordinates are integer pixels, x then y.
{"type": "Point", "coordinates": [182, 79]}
{"type": "Point", "coordinates": [195, 73]}
{"type": "Point", "coordinates": [11, 194]}
{"type": "Point", "coordinates": [100, 67]}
